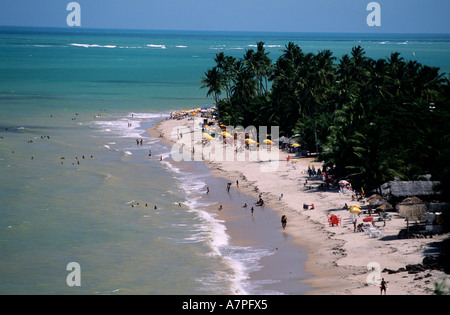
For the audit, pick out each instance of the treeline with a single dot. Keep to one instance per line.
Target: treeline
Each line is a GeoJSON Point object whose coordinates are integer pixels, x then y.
{"type": "Point", "coordinates": [371, 120]}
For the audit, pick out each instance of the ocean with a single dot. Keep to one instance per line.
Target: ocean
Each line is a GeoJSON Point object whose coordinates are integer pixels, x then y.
{"type": "Point", "coordinates": [77, 187]}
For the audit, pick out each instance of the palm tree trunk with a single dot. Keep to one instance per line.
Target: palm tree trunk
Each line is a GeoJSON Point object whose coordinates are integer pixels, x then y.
{"type": "Point", "coordinates": [315, 134]}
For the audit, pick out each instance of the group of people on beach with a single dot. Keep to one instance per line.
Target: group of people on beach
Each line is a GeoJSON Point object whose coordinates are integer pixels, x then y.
{"type": "Point", "coordinates": [259, 203]}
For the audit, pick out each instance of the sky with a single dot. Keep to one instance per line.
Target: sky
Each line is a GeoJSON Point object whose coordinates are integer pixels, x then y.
{"type": "Point", "coordinates": [344, 16]}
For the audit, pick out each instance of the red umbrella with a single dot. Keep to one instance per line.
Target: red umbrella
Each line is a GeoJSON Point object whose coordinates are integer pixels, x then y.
{"type": "Point", "coordinates": [368, 219]}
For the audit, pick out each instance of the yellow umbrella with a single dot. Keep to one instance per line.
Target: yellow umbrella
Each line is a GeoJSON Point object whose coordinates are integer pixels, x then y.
{"type": "Point", "coordinates": [296, 145]}
{"type": "Point", "coordinates": [226, 134]}
{"type": "Point", "coordinates": [250, 141]}
{"type": "Point", "coordinates": [267, 141]}
{"type": "Point", "coordinates": [355, 209]}
{"type": "Point", "coordinates": [207, 136]}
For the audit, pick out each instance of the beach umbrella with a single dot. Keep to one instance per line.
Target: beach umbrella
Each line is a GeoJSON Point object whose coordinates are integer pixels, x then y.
{"type": "Point", "coordinates": [207, 136]}
{"type": "Point", "coordinates": [250, 141]}
{"type": "Point", "coordinates": [368, 219]}
{"type": "Point", "coordinates": [226, 134]}
{"type": "Point", "coordinates": [296, 145]}
{"type": "Point", "coordinates": [355, 209]}
{"type": "Point", "coordinates": [343, 182]}
{"type": "Point", "coordinates": [267, 141]}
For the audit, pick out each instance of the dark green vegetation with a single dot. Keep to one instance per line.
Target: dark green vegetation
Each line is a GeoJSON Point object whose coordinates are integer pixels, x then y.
{"type": "Point", "coordinates": [371, 120]}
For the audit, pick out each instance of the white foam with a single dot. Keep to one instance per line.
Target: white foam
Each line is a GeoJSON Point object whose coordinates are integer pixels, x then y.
{"type": "Point", "coordinates": [171, 167]}
{"type": "Point", "coordinates": [265, 46]}
{"type": "Point", "coordinates": [129, 126]}
{"type": "Point", "coordinates": [157, 46]}
{"type": "Point", "coordinates": [93, 45]}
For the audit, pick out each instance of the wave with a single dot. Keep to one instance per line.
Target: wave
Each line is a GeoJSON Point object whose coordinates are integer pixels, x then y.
{"type": "Point", "coordinates": [265, 46]}
{"type": "Point", "coordinates": [93, 45]}
{"type": "Point", "coordinates": [157, 46]}
{"type": "Point", "coordinates": [394, 43]}
{"type": "Point", "coordinates": [129, 126]}
{"type": "Point", "coordinates": [160, 46]}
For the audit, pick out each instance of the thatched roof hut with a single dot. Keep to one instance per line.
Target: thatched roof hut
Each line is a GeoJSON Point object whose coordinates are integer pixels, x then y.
{"type": "Point", "coordinates": [399, 190]}
{"type": "Point", "coordinates": [413, 208]}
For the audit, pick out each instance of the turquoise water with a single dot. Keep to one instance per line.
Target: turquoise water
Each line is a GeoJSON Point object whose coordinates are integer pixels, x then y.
{"type": "Point", "coordinates": [76, 187]}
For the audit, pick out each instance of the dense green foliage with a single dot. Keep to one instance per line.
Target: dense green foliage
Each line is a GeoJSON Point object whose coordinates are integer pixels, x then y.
{"type": "Point", "coordinates": [376, 120]}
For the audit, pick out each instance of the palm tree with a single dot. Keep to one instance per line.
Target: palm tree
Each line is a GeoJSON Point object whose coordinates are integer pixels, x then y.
{"type": "Point", "coordinates": [226, 65]}
{"type": "Point", "coordinates": [213, 81]}
{"type": "Point", "coordinates": [260, 66]}
{"type": "Point", "coordinates": [244, 88]}
{"type": "Point", "coordinates": [314, 84]}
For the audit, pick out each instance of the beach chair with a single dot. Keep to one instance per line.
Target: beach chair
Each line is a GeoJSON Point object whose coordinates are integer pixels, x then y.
{"type": "Point", "coordinates": [366, 227]}
{"type": "Point", "coordinates": [334, 220]}
{"type": "Point", "coordinates": [330, 221]}
{"type": "Point", "coordinates": [374, 232]}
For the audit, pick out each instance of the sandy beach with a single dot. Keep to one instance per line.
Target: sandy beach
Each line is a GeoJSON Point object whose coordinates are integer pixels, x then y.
{"type": "Point", "coordinates": [339, 260]}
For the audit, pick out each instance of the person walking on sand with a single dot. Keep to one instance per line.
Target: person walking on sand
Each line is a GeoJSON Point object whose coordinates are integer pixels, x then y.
{"type": "Point", "coordinates": [383, 287]}
{"type": "Point", "coordinates": [283, 222]}
{"type": "Point", "coordinates": [220, 208]}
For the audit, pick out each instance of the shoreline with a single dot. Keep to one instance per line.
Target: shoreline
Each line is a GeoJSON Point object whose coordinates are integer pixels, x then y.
{"type": "Point", "coordinates": [260, 232]}
{"type": "Point", "coordinates": [337, 258]}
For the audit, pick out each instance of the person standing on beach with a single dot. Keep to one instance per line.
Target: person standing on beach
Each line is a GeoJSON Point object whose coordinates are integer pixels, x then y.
{"type": "Point", "coordinates": [383, 287]}
{"type": "Point", "coordinates": [220, 208]}
{"type": "Point", "coordinates": [283, 222]}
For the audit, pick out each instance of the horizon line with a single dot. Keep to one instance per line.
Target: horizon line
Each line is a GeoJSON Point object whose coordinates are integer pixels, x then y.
{"type": "Point", "coordinates": [219, 31]}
